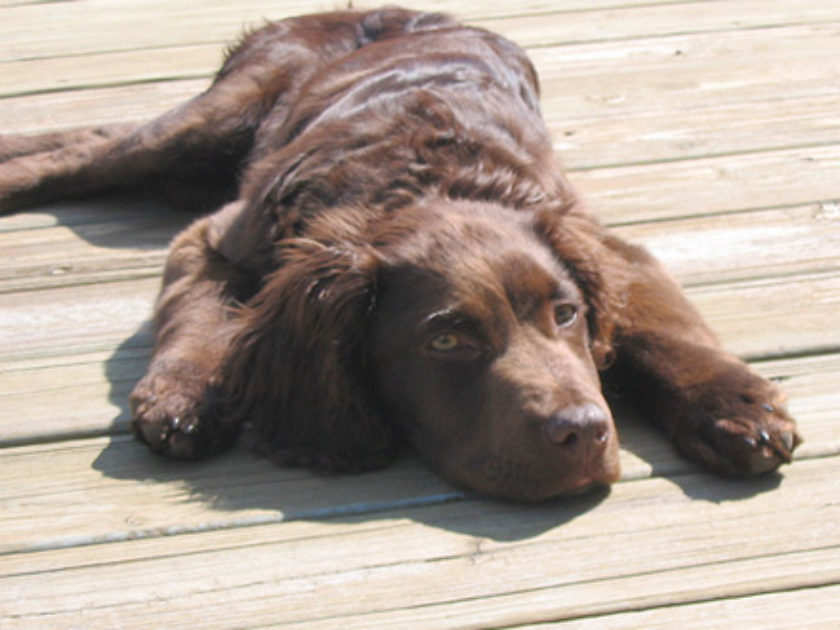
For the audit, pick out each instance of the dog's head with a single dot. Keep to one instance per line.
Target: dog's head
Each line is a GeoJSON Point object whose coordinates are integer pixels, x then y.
{"type": "Point", "coordinates": [459, 326]}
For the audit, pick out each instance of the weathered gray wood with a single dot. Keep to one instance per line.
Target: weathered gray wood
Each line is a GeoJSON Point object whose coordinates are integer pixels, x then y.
{"type": "Point", "coordinates": [803, 609]}
{"type": "Point", "coordinates": [708, 131]}
{"type": "Point", "coordinates": [56, 322]}
{"type": "Point", "coordinates": [107, 25]}
{"type": "Point", "coordinates": [599, 115]}
{"type": "Point", "coordinates": [753, 244]}
{"type": "Point", "coordinates": [682, 29]}
{"type": "Point", "coordinates": [628, 194]}
{"type": "Point", "coordinates": [110, 468]}
{"type": "Point", "coordinates": [60, 74]}
{"type": "Point", "coordinates": [598, 139]}
{"type": "Point", "coordinates": [64, 110]}
{"type": "Point", "coordinates": [108, 241]}
{"type": "Point", "coordinates": [115, 245]}
{"type": "Point", "coordinates": [65, 397]}
{"type": "Point", "coordinates": [650, 543]}
{"type": "Point", "coordinates": [87, 394]}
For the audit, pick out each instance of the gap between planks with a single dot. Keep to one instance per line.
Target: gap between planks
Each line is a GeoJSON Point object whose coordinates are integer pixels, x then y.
{"type": "Point", "coordinates": [259, 598]}
{"type": "Point", "coordinates": [658, 35]}
{"type": "Point", "coordinates": [585, 81]}
{"type": "Point", "coordinates": [41, 254]}
{"type": "Point", "coordinates": [800, 608]}
{"type": "Point", "coordinates": [236, 489]}
{"type": "Point", "coordinates": [118, 27]}
{"type": "Point", "coordinates": [69, 320]}
{"type": "Point", "coordinates": [576, 557]}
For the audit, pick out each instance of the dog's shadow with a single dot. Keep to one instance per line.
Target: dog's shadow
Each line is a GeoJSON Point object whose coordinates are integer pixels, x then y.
{"type": "Point", "coordinates": [247, 489]}
{"type": "Point", "coordinates": [253, 490]}
{"type": "Point", "coordinates": [121, 221]}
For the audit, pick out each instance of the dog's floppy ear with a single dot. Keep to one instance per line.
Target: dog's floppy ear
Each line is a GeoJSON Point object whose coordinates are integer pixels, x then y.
{"type": "Point", "coordinates": [570, 235]}
{"type": "Point", "coordinates": [296, 371]}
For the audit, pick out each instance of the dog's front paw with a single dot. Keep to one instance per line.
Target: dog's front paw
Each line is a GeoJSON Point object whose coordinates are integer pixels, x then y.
{"type": "Point", "coordinates": [169, 415]}
{"type": "Point", "coordinates": [737, 426]}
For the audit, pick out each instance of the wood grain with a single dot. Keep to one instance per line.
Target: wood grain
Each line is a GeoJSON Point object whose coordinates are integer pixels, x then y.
{"type": "Point", "coordinates": [706, 130]}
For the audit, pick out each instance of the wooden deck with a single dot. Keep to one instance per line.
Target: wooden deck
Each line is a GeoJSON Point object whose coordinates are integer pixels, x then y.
{"type": "Point", "coordinates": [707, 130]}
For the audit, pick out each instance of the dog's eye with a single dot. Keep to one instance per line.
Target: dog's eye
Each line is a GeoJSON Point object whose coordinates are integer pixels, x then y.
{"type": "Point", "coordinates": [446, 342]}
{"type": "Point", "coordinates": [565, 314]}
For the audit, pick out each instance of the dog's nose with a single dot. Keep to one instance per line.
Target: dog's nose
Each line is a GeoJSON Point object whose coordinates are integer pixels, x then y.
{"type": "Point", "coordinates": [579, 427]}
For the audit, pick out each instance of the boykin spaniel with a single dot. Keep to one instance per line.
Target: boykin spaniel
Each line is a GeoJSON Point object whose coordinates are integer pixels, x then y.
{"type": "Point", "coordinates": [398, 260]}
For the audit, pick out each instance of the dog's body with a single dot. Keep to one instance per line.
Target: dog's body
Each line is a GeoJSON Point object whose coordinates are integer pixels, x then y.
{"type": "Point", "coordinates": [401, 262]}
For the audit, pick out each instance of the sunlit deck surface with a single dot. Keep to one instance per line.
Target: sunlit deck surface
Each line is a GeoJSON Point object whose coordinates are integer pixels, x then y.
{"type": "Point", "coordinates": [707, 130]}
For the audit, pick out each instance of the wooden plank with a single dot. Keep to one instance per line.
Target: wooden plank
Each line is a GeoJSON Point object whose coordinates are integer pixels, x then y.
{"type": "Point", "coordinates": [663, 37]}
{"type": "Point", "coordinates": [68, 397]}
{"type": "Point", "coordinates": [663, 89]}
{"type": "Point", "coordinates": [74, 72]}
{"type": "Point", "coordinates": [673, 99]}
{"type": "Point", "coordinates": [170, 497]}
{"type": "Point", "coordinates": [774, 317]}
{"type": "Point", "coordinates": [569, 556]}
{"type": "Point", "coordinates": [108, 25]}
{"type": "Point", "coordinates": [132, 246]}
{"type": "Point", "coordinates": [645, 192]}
{"type": "Point", "coordinates": [495, 525]}
{"type": "Point", "coordinates": [803, 609]}
{"type": "Point", "coordinates": [54, 322]}
{"type": "Point", "coordinates": [31, 31]}
{"type": "Point", "coordinates": [602, 70]}
{"type": "Point", "coordinates": [738, 246]}
{"type": "Point", "coordinates": [130, 241]}
{"type": "Point", "coordinates": [87, 394]}
{"type": "Point", "coordinates": [624, 24]}
{"type": "Point", "coordinates": [599, 139]}
{"type": "Point", "coordinates": [64, 110]}
{"type": "Point", "coordinates": [601, 80]}
{"type": "Point", "coordinates": [100, 471]}
{"type": "Point", "coordinates": [716, 581]}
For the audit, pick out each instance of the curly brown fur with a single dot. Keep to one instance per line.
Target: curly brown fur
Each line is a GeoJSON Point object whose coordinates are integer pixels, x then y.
{"type": "Point", "coordinates": [399, 259]}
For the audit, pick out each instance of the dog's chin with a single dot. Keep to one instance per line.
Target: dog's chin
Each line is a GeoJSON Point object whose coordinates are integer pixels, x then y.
{"type": "Point", "coordinates": [582, 486]}
{"type": "Point", "coordinates": [542, 494]}
{"type": "Point", "coordinates": [490, 482]}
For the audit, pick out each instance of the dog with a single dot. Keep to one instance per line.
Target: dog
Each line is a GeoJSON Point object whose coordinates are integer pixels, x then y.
{"type": "Point", "coordinates": [398, 260]}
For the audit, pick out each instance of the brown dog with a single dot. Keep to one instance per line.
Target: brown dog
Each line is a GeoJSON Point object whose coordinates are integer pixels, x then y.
{"type": "Point", "coordinates": [402, 261]}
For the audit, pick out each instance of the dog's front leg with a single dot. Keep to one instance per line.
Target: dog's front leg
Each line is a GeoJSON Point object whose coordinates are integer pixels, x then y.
{"type": "Point", "coordinates": [173, 410]}
{"type": "Point", "coordinates": [714, 407]}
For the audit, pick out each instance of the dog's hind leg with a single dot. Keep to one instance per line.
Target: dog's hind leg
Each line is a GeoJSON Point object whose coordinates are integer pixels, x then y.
{"type": "Point", "coordinates": [205, 140]}
{"type": "Point", "coordinates": [201, 140]}
{"type": "Point", "coordinates": [16, 146]}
